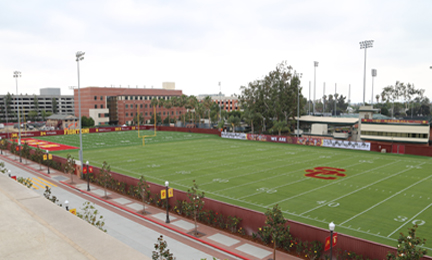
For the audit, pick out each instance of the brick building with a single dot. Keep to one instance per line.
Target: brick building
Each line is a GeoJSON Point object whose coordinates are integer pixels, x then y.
{"type": "Point", "coordinates": [226, 103]}
{"type": "Point", "coordinates": [120, 105]}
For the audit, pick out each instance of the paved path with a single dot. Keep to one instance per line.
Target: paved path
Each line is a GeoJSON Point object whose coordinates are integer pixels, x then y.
{"type": "Point", "coordinates": [125, 222]}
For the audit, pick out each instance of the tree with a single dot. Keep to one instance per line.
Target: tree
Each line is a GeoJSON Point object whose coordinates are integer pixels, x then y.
{"type": "Point", "coordinates": [39, 156]}
{"type": "Point", "coordinates": [196, 203]}
{"type": "Point", "coordinates": [8, 109]}
{"type": "Point", "coordinates": [2, 168]}
{"type": "Point", "coordinates": [144, 191]}
{"type": "Point", "coordinates": [279, 126]}
{"type": "Point", "coordinates": [234, 121]}
{"type": "Point", "coordinates": [33, 115]}
{"type": "Point", "coordinates": [377, 97]}
{"type": "Point", "coordinates": [45, 114]}
{"type": "Point", "coordinates": [407, 247]}
{"type": "Point", "coordinates": [162, 252]}
{"type": "Point", "coordinates": [91, 215]}
{"type": "Point", "coordinates": [138, 119]}
{"type": "Point", "coordinates": [70, 166]}
{"type": "Point", "coordinates": [274, 97]}
{"type": "Point", "coordinates": [276, 222]}
{"type": "Point", "coordinates": [26, 151]}
{"type": "Point", "coordinates": [54, 105]}
{"type": "Point", "coordinates": [87, 121]}
{"type": "Point", "coordinates": [207, 103]}
{"type": "Point", "coordinates": [191, 104]}
{"type": "Point", "coordinates": [105, 176]}
{"type": "Point", "coordinates": [182, 103]}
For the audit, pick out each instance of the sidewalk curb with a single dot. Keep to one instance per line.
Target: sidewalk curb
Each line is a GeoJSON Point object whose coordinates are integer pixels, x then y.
{"type": "Point", "coordinates": [155, 222]}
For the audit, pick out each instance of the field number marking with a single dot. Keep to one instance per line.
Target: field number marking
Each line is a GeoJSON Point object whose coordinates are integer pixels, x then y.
{"type": "Point", "coordinates": [418, 222]}
{"type": "Point", "coordinates": [269, 191]}
{"type": "Point", "coordinates": [183, 172]}
{"type": "Point", "coordinates": [413, 166]}
{"type": "Point", "coordinates": [318, 173]}
{"type": "Point", "coordinates": [331, 204]}
{"type": "Point", "coordinates": [221, 180]}
{"type": "Point", "coordinates": [400, 219]}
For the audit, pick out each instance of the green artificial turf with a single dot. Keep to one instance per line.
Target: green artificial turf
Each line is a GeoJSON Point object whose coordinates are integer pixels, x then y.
{"type": "Point", "coordinates": [380, 196]}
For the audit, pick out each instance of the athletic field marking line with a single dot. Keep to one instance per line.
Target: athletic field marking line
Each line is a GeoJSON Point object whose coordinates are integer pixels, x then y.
{"type": "Point", "coordinates": [332, 183]}
{"type": "Point", "coordinates": [286, 184]}
{"type": "Point", "coordinates": [410, 220]}
{"type": "Point", "coordinates": [354, 191]}
{"type": "Point", "coordinates": [379, 203]}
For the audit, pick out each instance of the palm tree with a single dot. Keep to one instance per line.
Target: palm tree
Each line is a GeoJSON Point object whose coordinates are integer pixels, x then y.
{"type": "Point", "coordinates": [191, 103]}
{"type": "Point", "coordinates": [234, 121]}
{"type": "Point", "coordinates": [175, 102]}
{"type": "Point", "coordinates": [154, 103]}
{"type": "Point", "coordinates": [377, 98]}
{"type": "Point", "coordinates": [249, 116]}
{"type": "Point", "coordinates": [279, 126]}
{"type": "Point", "coordinates": [207, 103]}
{"type": "Point", "coordinates": [183, 99]}
{"type": "Point", "coordinates": [167, 104]}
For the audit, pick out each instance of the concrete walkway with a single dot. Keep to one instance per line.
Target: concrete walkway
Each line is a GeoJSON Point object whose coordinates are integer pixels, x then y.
{"type": "Point", "coordinates": [125, 222]}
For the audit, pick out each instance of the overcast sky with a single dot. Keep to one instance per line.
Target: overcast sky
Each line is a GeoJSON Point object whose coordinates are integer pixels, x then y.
{"type": "Point", "coordinates": [197, 44]}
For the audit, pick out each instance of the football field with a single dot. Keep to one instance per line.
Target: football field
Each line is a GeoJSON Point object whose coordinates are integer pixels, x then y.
{"type": "Point", "coordinates": [366, 194]}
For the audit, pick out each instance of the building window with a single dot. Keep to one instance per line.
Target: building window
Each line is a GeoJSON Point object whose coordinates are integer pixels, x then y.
{"type": "Point", "coordinates": [127, 114]}
{"type": "Point", "coordinates": [126, 97]}
{"type": "Point", "coordinates": [164, 113]}
{"type": "Point", "coordinates": [146, 113]}
{"type": "Point", "coordinates": [95, 98]}
{"type": "Point", "coordinates": [145, 105]}
{"type": "Point", "coordinates": [141, 106]}
{"type": "Point", "coordinates": [101, 97]}
{"type": "Point", "coordinates": [101, 106]}
{"type": "Point", "coordinates": [172, 112]}
{"type": "Point", "coordinates": [131, 114]}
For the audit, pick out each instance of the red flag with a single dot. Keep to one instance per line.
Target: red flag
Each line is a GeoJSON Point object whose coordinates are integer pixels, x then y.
{"type": "Point", "coordinates": [327, 242]}
{"type": "Point", "coordinates": [85, 170]}
{"type": "Point", "coordinates": [90, 169]}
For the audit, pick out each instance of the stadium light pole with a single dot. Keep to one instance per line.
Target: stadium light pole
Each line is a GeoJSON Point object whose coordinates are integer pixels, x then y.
{"type": "Point", "coordinates": [167, 205]}
{"type": "Point", "coordinates": [314, 95]}
{"type": "Point", "coordinates": [374, 74]}
{"type": "Point", "coordinates": [88, 177]}
{"type": "Point", "coordinates": [331, 227]}
{"type": "Point", "coordinates": [364, 45]}
{"type": "Point", "coordinates": [17, 74]}
{"type": "Point", "coordinates": [79, 57]}
{"type": "Point", "coordinates": [298, 76]}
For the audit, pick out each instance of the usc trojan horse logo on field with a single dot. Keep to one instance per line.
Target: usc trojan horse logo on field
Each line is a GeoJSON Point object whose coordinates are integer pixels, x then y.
{"type": "Point", "coordinates": [325, 173]}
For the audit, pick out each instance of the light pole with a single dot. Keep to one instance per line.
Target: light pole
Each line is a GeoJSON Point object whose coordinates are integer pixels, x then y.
{"type": "Point", "coordinates": [47, 155]}
{"type": "Point", "coordinates": [298, 77]}
{"type": "Point", "coordinates": [167, 205]}
{"type": "Point", "coordinates": [88, 177]}
{"type": "Point", "coordinates": [374, 74]}
{"type": "Point", "coordinates": [364, 45]}
{"type": "Point", "coordinates": [79, 57]}
{"type": "Point", "coordinates": [315, 66]}
{"type": "Point", "coordinates": [17, 74]}
{"type": "Point", "coordinates": [331, 227]}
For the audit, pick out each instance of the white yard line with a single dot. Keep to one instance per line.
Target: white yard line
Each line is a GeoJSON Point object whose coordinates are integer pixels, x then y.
{"type": "Point", "coordinates": [379, 203]}
{"type": "Point", "coordinates": [332, 183]}
{"type": "Point", "coordinates": [286, 184]}
{"type": "Point", "coordinates": [410, 220]}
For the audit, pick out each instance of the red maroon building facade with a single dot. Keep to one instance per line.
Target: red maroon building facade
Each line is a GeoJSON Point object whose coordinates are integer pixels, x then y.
{"type": "Point", "coordinates": [120, 105]}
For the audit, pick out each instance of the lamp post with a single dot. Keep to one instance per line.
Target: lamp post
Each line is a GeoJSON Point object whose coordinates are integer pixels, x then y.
{"type": "Point", "coordinates": [167, 205]}
{"type": "Point", "coordinates": [364, 45]}
{"type": "Point", "coordinates": [315, 66]}
{"type": "Point", "coordinates": [331, 227]}
{"type": "Point", "coordinates": [17, 74]}
{"type": "Point", "coordinates": [374, 74]}
{"type": "Point", "coordinates": [79, 56]}
{"type": "Point", "coordinates": [88, 177]}
{"type": "Point", "coordinates": [47, 154]}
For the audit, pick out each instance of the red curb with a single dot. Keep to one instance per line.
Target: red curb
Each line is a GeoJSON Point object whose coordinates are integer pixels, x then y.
{"type": "Point", "coordinates": [155, 222]}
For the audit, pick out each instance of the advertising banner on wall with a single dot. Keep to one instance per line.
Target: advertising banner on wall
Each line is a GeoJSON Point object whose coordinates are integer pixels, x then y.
{"type": "Point", "coordinates": [310, 141]}
{"type": "Point", "coordinates": [346, 144]}
{"type": "Point", "coordinates": [239, 136]}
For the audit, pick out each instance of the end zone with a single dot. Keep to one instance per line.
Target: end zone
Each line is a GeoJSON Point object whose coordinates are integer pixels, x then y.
{"type": "Point", "coordinates": [45, 145]}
